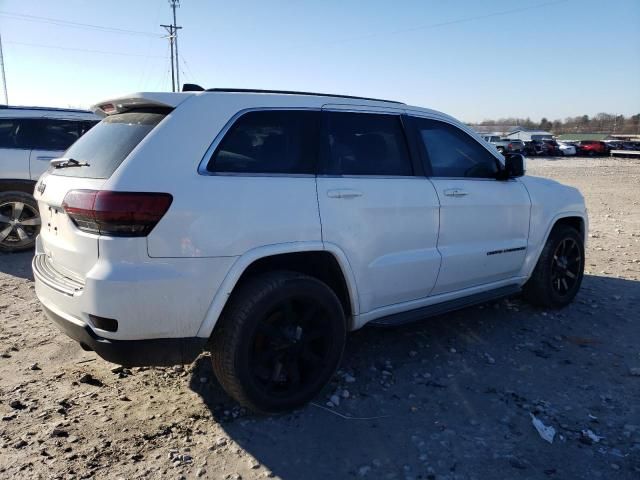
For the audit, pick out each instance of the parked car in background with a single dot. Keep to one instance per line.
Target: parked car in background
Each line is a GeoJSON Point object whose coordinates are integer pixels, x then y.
{"type": "Point", "coordinates": [630, 146]}
{"type": "Point", "coordinates": [505, 145]}
{"type": "Point", "coordinates": [567, 149]}
{"type": "Point", "coordinates": [536, 147]}
{"type": "Point", "coordinates": [614, 144]}
{"type": "Point", "coordinates": [203, 221]}
{"type": "Point", "coordinates": [29, 138]}
{"type": "Point", "coordinates": [592, 148]}
{"type": "Point", "coordinates": [552, 147]}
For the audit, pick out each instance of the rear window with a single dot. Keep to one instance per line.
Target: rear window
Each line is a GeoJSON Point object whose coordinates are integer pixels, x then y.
{"type": "Point", "coordinates": [106, 145]}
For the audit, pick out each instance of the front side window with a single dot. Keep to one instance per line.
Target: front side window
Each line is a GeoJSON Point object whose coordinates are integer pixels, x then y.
{"type": "Point", "coordinates": [451, 152]}
{"type": "Point", "coordinates": [365, 144]}
{"type": "Point", "coordinates": [269, 141]}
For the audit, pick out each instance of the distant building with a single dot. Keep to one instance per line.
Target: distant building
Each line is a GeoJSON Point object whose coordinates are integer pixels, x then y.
{"type": "Point", "coordinates": [500, 130]}
{"type": "Point", "coordinates": [529, 135]}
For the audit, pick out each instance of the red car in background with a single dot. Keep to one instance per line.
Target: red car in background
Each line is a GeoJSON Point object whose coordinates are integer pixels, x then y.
{"type": "Point", "coordinates": [592, 148]}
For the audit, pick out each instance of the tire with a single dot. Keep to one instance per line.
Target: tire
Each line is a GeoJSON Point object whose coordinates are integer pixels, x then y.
{"type": "Point", "coordinates": [267, 327]}
{"type": "Point", "coordinates": [551, 285]}
{"type": "Point", "coordinates": [501, 150]}
{"type": "Point", "coordinates": [19, 221]}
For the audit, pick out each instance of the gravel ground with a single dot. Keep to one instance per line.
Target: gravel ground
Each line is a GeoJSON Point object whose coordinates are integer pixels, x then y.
{"type": "Point", "coordinates": [450, 397]}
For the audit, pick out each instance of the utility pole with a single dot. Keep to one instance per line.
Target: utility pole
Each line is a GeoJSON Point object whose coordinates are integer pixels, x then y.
{"type": "Point", "coordinates": [171, 37]}
{"type": "Point", "coordinates": [4, 78]}
{"type": "Point", "coordinates": [172, 30]}
{"type": "Point", "coordinates": [174, 4]}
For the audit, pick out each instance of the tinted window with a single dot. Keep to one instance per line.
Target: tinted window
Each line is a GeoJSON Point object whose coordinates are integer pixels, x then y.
{"type": "Point", "coordinates": [365, 144]}
{"type": "Point", "coordinates": [453, 153]}
{"type": "Point", "coordinates": [269, 141]}
{"type": "Point", "coordinates": [8, 129]}
{"type": "Point", "coordinates": [53, 134]}
{"type": "Point", "coordinates": [107, 144]}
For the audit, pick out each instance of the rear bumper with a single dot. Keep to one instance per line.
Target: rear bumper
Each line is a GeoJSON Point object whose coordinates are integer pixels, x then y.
{"type": "Point", "coordinates": [131, 353]}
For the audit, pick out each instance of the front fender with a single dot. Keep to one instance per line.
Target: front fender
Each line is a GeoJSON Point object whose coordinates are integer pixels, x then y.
{"type": "Point", "coordinates": [550, 202]}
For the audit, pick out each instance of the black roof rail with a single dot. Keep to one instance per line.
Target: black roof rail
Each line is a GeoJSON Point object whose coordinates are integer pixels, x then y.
{"type": "Point", "coordinates": [290, 92]}
{"type": "Point", "coordinates": [55, 109]}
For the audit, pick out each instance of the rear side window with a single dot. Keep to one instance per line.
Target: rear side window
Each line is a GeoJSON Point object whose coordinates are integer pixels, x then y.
{"type": "Point", "coordinates": [365, 144]}
{"type": "Point", "coordinates": [8, 129]}
{"type": "Point", "coordinates": [269, 141]}
{"type": "Point", "coordinates": [451, 152]}
{"type": "Point", "coordinates": [53, 134]}
{"type": "Point", "coordinates": [106, 145]}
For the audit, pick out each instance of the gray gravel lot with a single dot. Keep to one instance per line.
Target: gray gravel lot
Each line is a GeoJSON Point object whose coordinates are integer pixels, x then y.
{"type": "Point", "coordinates": [451, 397]}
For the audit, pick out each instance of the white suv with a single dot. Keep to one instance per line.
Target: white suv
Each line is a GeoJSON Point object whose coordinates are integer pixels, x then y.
{"type": "Point", "coordinates": [29, 138]}
{"type": "Point", "coordinates": [264, 225]}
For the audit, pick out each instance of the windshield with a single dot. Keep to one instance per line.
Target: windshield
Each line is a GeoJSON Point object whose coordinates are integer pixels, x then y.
{"type": "Point", "coordinates": [107, 144]}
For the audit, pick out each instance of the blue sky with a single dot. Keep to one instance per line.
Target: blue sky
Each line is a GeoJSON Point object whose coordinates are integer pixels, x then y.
{"type": "Point", "coordinates": [471, 59]}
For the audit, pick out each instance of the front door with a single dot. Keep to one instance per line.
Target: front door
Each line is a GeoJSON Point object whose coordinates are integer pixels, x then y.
{"type": "Point", "coordinates": [375, 209]}
{"type": "Point", "coordinates": [484, 222]}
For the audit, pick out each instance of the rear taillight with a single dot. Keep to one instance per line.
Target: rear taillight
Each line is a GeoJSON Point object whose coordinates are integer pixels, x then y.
{"type": "Point", "coordinates": [118, 214]}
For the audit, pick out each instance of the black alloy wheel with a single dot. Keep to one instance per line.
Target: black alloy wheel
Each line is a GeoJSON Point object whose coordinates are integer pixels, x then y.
{"type": "Point", "coordinates": [557, 277]}
{"type": "Point", "coordinates": [279, 341]}
{"type": "Point", "coordinates": [566, 267]}
{"type": "Point", "coordinates": [290, 347]}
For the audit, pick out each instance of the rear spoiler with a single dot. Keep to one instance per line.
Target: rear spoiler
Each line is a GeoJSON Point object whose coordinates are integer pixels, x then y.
{"type": "Point", "coordinates": [140, 100]}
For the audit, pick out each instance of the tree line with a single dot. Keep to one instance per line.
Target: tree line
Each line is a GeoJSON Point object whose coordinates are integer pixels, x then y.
{"type": "Point", "coordinates": [600, 123]}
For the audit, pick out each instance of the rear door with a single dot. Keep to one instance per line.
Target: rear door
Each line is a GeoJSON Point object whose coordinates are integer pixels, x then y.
{"type": "Point", "coordinates": [376, 207]}
{"type": "Point", "coordinates": [257, 188]}
{"type": "Point", "coordinates": [484, 222]}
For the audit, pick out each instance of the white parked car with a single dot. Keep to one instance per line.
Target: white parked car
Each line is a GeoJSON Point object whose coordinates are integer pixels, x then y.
{"type": "Point", "coordinates": [567, 149]}
{"type": "Point", "coordinates": [263, 226]}
{"type": "Point", "coordinates": [29, 138]}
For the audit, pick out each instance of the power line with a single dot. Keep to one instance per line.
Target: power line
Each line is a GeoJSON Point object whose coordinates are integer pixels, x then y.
{"type": "Point", "coordinates": [186, 64]}
{"type": "Point", "coordinates": [67, 23]}
{"type": "Point", "coordinates": [106, 52]}
{"type": "Point", "coordinates": [144, 69]}
{"type": "Point", "coordinates": [451, 22]}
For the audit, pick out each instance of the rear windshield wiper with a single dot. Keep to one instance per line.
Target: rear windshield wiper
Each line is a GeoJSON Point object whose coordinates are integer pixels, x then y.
{"type": "Point", "coordinates": [67, 162]}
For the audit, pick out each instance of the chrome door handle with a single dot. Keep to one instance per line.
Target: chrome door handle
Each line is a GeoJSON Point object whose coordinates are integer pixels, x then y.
{"type": "Point", "coordinates": [343, 193]}
{"type": "Point", "coordinates": [44, 158]}
{"type": "Point", "coordinates": [455, 192]}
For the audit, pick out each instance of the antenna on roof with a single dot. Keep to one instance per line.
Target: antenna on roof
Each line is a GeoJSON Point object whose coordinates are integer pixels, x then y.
{"type": "Point", "coordinates": [192, 87]}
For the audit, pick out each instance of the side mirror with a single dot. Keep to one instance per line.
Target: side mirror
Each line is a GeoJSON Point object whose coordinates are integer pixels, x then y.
{"type": "Point", "coordinates": [514, 166]}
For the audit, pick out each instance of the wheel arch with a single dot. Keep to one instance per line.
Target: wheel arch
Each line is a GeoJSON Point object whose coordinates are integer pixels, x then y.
{"type": "Point", "coordinates": [574, 219]}
{"type": "Point", "coordinates": [323, 261]}
{"type": "Point", "coordinates": [17, 185]}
